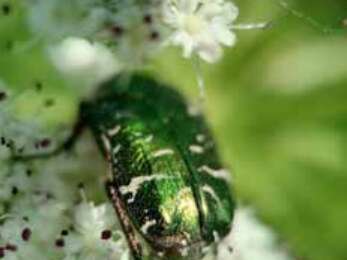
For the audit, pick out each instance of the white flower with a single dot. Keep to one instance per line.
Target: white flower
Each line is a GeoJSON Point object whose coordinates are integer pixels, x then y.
{"type": "Point", "coordinates": [77, 57]}
{"type": "Point", "coordinates": [201, 26]}
{"type": "Point", "coordinates": [91, 219]}
{"type": "Point", "coordinates": [91, 223]}
{"type": "Point", "coordinates": [30, 229]}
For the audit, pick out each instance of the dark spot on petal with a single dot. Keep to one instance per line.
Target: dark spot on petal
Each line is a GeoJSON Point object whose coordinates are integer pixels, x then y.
{"type": "Point", "coordinates": [230, 249]}
{"type": "Point", "coordinates": [49, 196]}
{"type": "Point", "coordinates": [44, 143]}
{"type": "Point", "coordinates": [10, 144]}
{"type": "Point", "coordinates": [26, 234]}
{"type": "Point", "coordinates": [154, 36]}
{"type": "Point", "coordinates": [106, 234]}
{"type": "Point", "coordinates": [148, 19]}
{"type": "Point", "coordinates": [117, 30]}
{"type": "Point", "coordinates": [2, 252]}
{"type": "Point", "coordinates": [14, 191]}
{"type": "Point", "coordinates": [2, 140]}
{"type": "Point", "coordinates": [64, 232]}
{"type": "Point", "coordinates": [25, 218]}
{"type": "Point", "coordinates": [60, 243]}
{"type": "Point", "coordinates": [80, 185]}
{"type": "Point", "coordinates": [11, 247]}
{"type": "Point", "coordinates": [29, 172]}
{"type": "Point", "coordinates": [71, 228]}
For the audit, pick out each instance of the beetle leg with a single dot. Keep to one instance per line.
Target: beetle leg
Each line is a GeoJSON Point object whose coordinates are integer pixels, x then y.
{"type": "Point", "coordinates": [128, 229]}
{"type": "Point", "coordinates": [65, 146]}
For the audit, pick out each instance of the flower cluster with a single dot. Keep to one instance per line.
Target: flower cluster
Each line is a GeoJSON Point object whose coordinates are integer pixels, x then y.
{"type": "Point", "coordinates": [201, 27]}
{"type": "Point", "coordinates": [44, 210]}
{"type": "Point", "coordinates": [135, 29]}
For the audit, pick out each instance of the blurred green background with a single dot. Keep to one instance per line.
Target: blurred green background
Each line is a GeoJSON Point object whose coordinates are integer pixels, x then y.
{"type": "Point", "coordinates": [276, 102]}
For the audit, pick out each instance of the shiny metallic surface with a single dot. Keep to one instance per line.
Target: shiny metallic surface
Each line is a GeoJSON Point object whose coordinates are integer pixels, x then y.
{"type": "Point", "coordinates": [164, 164]}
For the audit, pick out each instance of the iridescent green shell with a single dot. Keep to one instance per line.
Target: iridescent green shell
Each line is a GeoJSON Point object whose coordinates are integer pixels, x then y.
{"type": "Point", "coordinates": [165, 164]}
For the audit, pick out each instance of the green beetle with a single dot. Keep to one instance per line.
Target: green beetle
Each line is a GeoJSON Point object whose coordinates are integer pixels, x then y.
{"type": "Point", "coordinates": [165, 179]}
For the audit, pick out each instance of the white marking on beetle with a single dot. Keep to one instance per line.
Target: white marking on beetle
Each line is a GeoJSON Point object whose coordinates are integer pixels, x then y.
{"type": "Point", "coordinates": [116, 149]}
{"type": "Point", "coordinates": [106, 142]}
{"type": "Point", "coordinates": [208, 189]}
{"type": "Point", "coordinates": [147, 225]}
{"type": "Point", "coordinates": [220, 174]}
{"type": "Point", "coordinates": [162, 152]}
{"type": "Point", "coordinates": [196, 149]}
{"type": "Point", "coordinates": [114, 131]}
{"type": "Point", "coordinates": [115, 161]}
{"type": "Point", "coordinates": [124, 114]}
{"type": "Point", "coordinates": [216, 236]}
{"type": "Point", "coordinates": [136, 183]}
{"type": "Point", "coordinates": [200, 138]}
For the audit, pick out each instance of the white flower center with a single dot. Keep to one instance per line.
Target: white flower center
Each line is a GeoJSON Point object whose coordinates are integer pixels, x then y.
{"type": "Point", "coordinates": [193, 24]}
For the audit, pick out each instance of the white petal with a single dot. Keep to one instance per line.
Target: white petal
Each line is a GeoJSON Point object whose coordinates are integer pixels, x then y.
{"type": "Point", "coordinates": [169, 13]}
{"type": "Point", "coordinates": [228, 38]}
{"type": "Point", "coordinates": [74, 55]}
{"type": "Point", "coordinates": [208, 11]}
{"type": "Point", "coordinates": [184, 40]}
{"type": "Point", "coordinates": [188, 49]}
{"type": "Point", "coordinates": [210, 53]}
{"type": "Point", "coordinates": [188, 6]}
{"type": "Point", "coordinates": [223, 34]}
{"type": "Point", "coordinates": [230, 12]}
